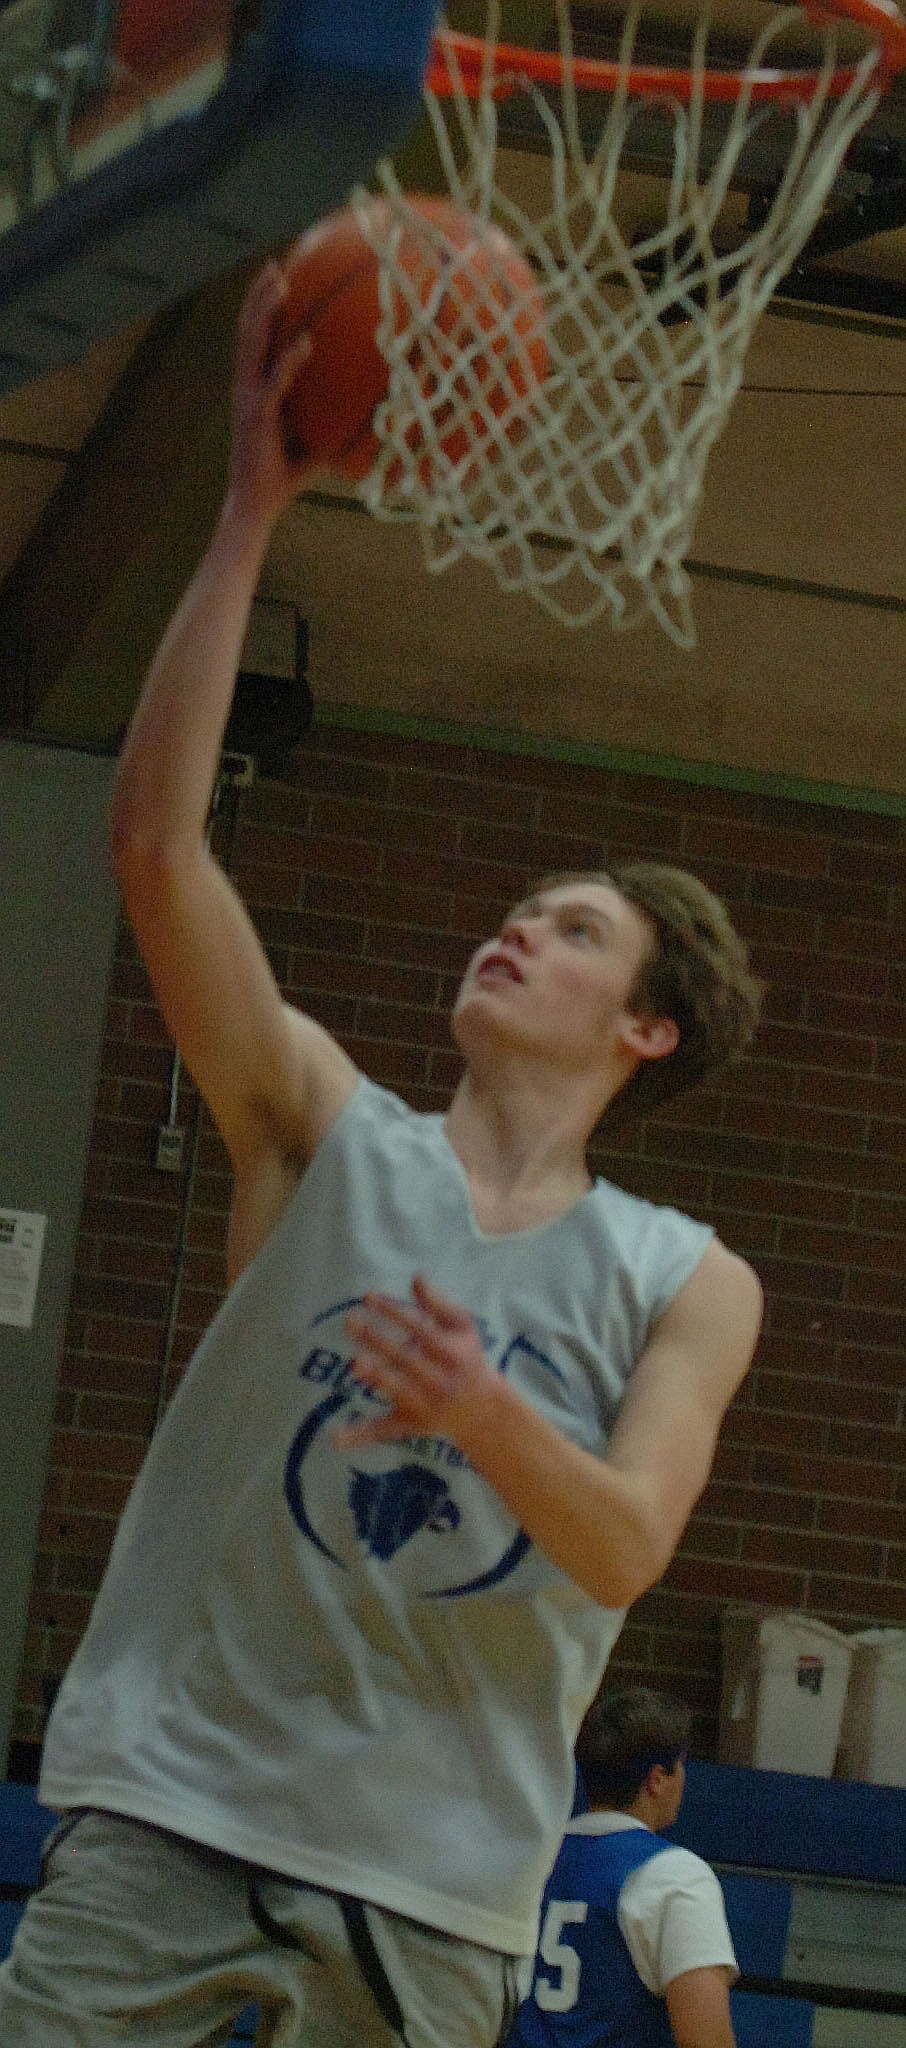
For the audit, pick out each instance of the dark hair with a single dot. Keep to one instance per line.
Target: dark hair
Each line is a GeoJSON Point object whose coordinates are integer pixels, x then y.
{"type": "Point", "coordinates": [623, 1736]}
{"type": "Point", "coordinates": [697, 974]}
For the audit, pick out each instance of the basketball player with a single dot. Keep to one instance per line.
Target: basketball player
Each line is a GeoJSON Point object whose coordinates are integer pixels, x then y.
{"type": "Point", "coordinates": [634, 1948]}
{"type": "Point", "coordinates": [315, 1749]}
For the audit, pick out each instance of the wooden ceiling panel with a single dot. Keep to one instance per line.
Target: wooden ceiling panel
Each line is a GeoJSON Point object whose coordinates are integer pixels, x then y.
{"type": "Point", "coordinates": [810, 486]}
{"type": "Point", "coordinates": [59, 411]}
{"type": "Point", "coordinates": [781, 682]}
{"type": "Point", "coordinates": [27, 484]}
{"type": "Point", "coordinates": [806, 353]}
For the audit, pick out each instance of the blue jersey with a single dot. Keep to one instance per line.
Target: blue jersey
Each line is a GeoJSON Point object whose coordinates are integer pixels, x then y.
{"type": "Point", "coordinates": [587, 1992]}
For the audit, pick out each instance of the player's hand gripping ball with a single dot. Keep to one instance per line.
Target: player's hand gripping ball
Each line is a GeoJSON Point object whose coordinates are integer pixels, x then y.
{"type": "Point", "coordinates": [478, 367]}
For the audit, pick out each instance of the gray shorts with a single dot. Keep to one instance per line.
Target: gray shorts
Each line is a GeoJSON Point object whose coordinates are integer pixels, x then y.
{"type": "Point", "coordinates": [140, 1936]}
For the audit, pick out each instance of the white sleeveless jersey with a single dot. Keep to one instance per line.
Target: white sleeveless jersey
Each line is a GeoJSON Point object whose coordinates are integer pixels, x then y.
{"type": "Point", "coordinates": [353, 1667]}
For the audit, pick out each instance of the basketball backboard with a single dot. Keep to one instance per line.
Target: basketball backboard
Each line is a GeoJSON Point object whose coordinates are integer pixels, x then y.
{"type": "Point", "coordinates": [148, 145]}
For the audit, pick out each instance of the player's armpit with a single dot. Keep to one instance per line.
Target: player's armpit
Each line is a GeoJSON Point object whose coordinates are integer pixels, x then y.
{"type": "Point", "coordinates": [698, 2003]}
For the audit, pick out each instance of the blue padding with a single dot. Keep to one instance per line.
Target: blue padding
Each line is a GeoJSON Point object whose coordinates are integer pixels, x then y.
{"type": "Point", "coordinates": [10, 1914]}
{"type": "Point", "coordinates": [823, 1827]}
{"type": "Point", "coordinates": [23, 1827]}
{"type": "Point", "coordinates": [758, 1911]}
{"type": "Point", "coordinates": [244, 2029]}
{"type": "Point", "coordinates": [760, 2022]}
{"type": "Point", "coordinates": [276, 148]}
{"type": "Point", "coordinates": [387, 38]}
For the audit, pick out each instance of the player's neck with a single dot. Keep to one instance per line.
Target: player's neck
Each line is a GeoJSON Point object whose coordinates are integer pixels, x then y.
{"type": "Point", "coordinates": [520, 1142]}
{"type": "Point", "coordinates": [641, 1809]}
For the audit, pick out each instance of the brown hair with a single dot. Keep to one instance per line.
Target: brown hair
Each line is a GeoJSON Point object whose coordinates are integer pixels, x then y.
{"type": "Point", "coordinates": [697, 974]}
{"type": "Point", "coordinates": [623, 1736]}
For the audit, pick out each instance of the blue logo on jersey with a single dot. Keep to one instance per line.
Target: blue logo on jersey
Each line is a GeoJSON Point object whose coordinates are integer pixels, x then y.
{"type": "Point", "coordinates": [399, 1512]}
{"type": "Point", "coordinates": [389, 1507]}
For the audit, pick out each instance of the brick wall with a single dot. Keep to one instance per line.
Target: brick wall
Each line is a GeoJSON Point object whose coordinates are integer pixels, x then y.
{"type": "Point", "coordinates": [370, 875]}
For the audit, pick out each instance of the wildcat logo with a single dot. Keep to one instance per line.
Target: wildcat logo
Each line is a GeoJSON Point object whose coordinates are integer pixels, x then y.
{"type": "Point", "coordinates": [389, 1507]}
{"type": "Point", "coordinates": [398, 1515]}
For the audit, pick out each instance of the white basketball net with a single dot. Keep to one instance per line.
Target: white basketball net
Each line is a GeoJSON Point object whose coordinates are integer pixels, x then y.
{"type": "Point", "coordinates": [593, 504]}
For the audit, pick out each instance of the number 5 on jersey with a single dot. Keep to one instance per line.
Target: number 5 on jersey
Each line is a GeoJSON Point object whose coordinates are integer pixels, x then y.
{"type": "Point", "coordinates": [559, 1995]}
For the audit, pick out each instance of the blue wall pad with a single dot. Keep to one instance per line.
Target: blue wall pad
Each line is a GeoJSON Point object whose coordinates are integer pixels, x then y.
{"type": "Point", "coordinates": [772, 1820]}
{"type": "Point", "coordinates": [24, 1825]}
{"type": "Point", "coordinates": [760, 2022]}
{"type": "Point", "coordinates": [758, 1910]}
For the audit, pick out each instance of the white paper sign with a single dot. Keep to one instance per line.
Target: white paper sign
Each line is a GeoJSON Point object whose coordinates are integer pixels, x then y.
{"type": "Point", "coordinates": [21, 1246]}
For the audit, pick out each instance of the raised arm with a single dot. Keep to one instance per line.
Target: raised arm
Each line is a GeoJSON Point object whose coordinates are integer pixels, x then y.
{"type": "Point", "coordinates": [272, 1078]}
{"type": "Point", "coordinates": [612, 1523]}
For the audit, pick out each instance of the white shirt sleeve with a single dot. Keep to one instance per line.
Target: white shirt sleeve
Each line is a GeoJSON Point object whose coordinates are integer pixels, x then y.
{"type": "Point", "coordinates": [671, 1916]}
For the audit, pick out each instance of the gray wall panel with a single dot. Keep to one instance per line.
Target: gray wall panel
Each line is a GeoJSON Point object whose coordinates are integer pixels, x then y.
{"type": "Point", "coordinates": [58, 919]}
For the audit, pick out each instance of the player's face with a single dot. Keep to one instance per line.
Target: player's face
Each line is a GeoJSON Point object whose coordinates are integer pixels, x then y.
{"type": "Point", "coordinates": [559, 977]}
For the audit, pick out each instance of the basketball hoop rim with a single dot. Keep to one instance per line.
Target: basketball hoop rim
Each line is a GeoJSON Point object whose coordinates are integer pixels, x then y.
{"type": "Point", "coordinates": [465, 58]}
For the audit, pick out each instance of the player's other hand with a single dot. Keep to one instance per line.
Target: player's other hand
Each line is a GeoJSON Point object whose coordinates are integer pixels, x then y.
{"type": "Point", "coordinates": [425, 1360]}
{"type": "Point", "coordinates": [265, 473]}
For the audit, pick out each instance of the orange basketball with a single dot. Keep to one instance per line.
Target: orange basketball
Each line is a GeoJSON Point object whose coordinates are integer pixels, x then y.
{"type": "Point", "coordinates": [468, 283]}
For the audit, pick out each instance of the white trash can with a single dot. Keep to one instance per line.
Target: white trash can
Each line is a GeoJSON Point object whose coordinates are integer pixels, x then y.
{"type": "Point", "coordinates": [783, 1690]}
{"type": "Point", "coordinates": [873, 1736]}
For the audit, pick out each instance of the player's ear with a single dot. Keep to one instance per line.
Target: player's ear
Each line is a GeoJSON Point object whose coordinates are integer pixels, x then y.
{"type": "Point", "coordinates": [649, 1037]}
